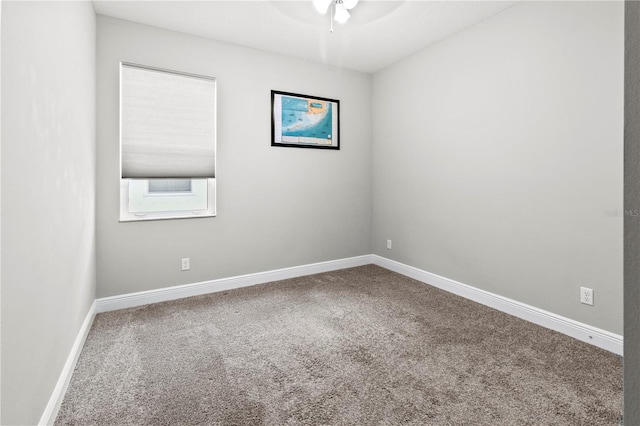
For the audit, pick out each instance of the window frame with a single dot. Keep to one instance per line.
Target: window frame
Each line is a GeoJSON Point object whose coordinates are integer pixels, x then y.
{"type": "Point", "coordinates": [131, 216]}
{"type": "Point", "coordinates": [126, 215]}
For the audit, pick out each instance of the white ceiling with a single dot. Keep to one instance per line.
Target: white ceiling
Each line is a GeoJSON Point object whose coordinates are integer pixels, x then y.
{"type": "Point", "coordinates": [378, 34]}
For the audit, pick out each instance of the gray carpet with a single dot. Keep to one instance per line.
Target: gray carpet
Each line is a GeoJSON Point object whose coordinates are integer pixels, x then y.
{"type": "Point", "coordinates": [361, 346]}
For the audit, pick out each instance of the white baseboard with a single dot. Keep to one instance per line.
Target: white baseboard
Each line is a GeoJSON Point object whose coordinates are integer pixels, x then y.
{"type": "Point", "coordinates": [178, 292]}
{"type": "Point", "coordinates": [595, 336]}
{"type": "Point", "coordinates": [586, 333]}
{"type": "Point", "coordinates": [51, 410]}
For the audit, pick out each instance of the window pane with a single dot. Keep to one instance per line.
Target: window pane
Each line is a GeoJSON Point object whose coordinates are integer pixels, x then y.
{"type": "Point", "coordinates": [141, 200]}
{"type": "Point", "coordinates": [163, 186]}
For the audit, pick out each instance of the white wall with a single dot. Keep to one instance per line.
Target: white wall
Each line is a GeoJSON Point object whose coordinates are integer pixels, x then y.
{"type": "Point", "coordinates": [498, 151]}
{"type": "Point", "coordinates": [277, 207]}
{"type": "Point", "coordinates": [496, 154]}
{"type": "Point", "coordinates": [48, 195]}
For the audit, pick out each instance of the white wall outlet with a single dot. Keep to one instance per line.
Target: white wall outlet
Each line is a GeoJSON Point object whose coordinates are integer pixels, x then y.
{"type": "Point", "coordinates": [389, 244]}
{"type": "Point", "coordinates": [586, 296]}
{"type": "Point", "coordinates": [186, 264]}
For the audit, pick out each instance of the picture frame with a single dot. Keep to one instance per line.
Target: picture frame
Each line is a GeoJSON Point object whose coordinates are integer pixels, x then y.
{"type": "Point", "coordinates": [303, 121]}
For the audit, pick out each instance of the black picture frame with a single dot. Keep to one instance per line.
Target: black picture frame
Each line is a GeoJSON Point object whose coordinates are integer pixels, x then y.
{"type": "Point", "coordinates": [304, 128]}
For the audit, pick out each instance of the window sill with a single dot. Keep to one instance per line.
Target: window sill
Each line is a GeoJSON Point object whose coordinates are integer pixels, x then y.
{"type": "Point", "coordinates": [167, 216]}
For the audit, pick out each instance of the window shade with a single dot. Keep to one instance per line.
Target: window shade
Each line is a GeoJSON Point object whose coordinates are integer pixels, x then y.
{"type": "Point", "coordinates": [167, 124]}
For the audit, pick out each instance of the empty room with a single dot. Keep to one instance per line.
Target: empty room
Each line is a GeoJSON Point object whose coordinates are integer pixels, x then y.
{"type": "Point", "coordinates": [327, 212]}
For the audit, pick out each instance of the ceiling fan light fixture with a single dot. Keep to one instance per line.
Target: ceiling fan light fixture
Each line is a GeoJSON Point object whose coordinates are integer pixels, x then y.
{"type": "Point", "coordinates": [350, 4]}
{"type": "Point", "coordinates": [341, 15]}
{"type": "Point", "coordinates": [322, 5]}
{"type": "Point", "coordinates": [339, 10]}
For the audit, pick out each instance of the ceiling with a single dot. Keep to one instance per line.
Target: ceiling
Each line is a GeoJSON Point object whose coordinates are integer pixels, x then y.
{"type": "Point", "coordinates": [378, 34]}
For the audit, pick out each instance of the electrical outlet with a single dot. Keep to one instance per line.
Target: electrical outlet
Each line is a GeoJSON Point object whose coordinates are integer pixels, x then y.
{"type": "Point", "coordinates": [186, 264]}
{"type": "Point", "coordinates": [586, 296]}
{"type": "Point", "coordinates": [389, 244]}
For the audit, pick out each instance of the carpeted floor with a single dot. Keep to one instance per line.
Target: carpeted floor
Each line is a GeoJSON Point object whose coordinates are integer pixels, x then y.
{"type": "Point", "coordinates": [360, 346]}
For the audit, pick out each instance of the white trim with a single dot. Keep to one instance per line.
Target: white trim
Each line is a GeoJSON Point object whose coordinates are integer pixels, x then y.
{"type": "Point", "coordinates": [584, 332]}
{"type": "Point", "coordinates": [112, 303]}
{"type": "Point", "coordinates": [55, 401]}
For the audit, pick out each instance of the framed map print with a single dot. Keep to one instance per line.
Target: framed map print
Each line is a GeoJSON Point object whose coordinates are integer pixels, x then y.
{"type": "Point", "coordinates": [303, 121]}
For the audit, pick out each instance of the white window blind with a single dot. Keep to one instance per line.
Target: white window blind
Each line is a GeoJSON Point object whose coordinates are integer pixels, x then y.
{"type": "Point", "coordinates": [168, 124]}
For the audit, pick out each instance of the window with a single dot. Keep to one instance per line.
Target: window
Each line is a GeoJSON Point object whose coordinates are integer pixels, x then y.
{"type": "Point", "coordinates": [167, 144]}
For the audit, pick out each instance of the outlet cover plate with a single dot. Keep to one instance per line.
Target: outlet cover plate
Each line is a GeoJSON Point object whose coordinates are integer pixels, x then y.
{"type": "Point", "coordinates": [586, 296]}
{"type": "Point", "coordinates": [186, 265]}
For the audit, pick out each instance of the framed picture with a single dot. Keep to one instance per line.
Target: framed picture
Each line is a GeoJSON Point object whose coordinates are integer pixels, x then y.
{"type": "Point", "coordinates": [303, 121]}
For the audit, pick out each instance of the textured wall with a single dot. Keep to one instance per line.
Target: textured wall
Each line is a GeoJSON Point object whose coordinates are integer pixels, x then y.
{"type": "Point", "coordinates": [276, 207]}
{"type": "Point", "coordinates": [48, 195]}
{"type": "Point", "coordinates": [497, 158]}
{"type": "Point", "coordinates": [632, 222]}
